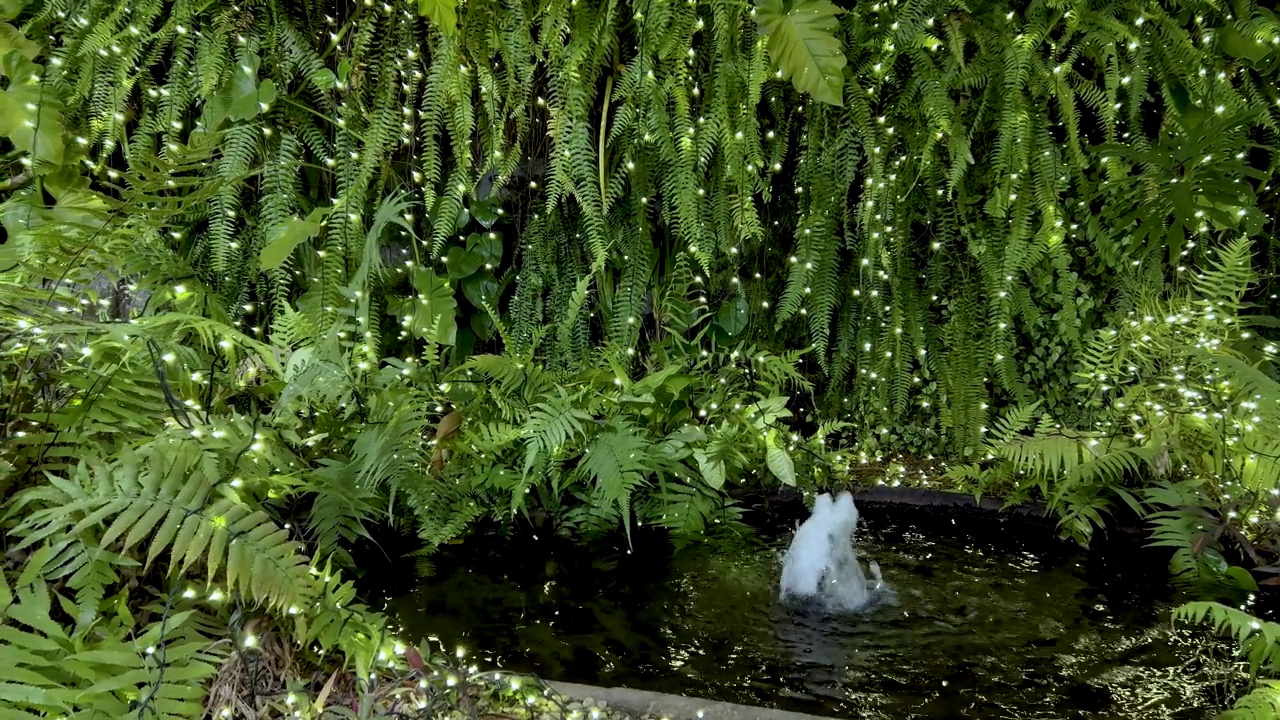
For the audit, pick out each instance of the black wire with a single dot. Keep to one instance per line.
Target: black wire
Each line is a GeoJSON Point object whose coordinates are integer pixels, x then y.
{"type": "Point", "coordinates": [162, 375]}
{"type": "Point", "coordinates": [162, 662]}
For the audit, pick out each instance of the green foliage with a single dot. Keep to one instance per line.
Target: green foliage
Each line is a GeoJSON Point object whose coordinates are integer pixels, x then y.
{"type": "Point", "coordinates": [599, 448]}
{"type": "Point", "coordinates": [112, 666]}
{"type": "Point", "coordinates": [1261, 703]}
{"type": "Point", "coordinates": [1259, 642]}
{"type": "Point", "coordinates": [1179, 389]}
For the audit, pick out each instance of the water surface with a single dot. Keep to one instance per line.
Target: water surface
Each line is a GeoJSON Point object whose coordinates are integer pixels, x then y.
{"type": "Point", "coordinates": [990, 622]}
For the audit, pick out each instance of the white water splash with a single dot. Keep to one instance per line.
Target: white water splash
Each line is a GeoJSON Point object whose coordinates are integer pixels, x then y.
{"type": "Point", "coordinates": [821, 566]}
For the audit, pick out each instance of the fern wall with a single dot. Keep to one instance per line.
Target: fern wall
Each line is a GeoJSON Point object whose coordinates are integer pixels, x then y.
{"type": "Point", "coordinates": [955, 196]}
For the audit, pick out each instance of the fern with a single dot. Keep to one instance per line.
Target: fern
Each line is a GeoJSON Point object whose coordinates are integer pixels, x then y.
{"type": "Point", "coordinates": [1259, 640]}
{"type": "Point", "coordinates": [165, 502]}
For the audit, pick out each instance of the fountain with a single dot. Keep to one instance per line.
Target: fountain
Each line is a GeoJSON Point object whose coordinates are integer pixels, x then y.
{"type": "Point", "coordinates": [821, 567]}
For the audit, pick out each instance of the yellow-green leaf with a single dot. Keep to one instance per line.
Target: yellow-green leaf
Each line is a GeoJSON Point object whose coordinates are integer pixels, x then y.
{"type": "Point", "coordinates": [713, 470]}
{"type": "Point", "coordinates": [804, 47]}
{"type": "Point", "coordinates": [283, 238]}
{"type": "Point", "coordinates": [779, 461]}
{"type": "Point", "coordinates": [444, 13]}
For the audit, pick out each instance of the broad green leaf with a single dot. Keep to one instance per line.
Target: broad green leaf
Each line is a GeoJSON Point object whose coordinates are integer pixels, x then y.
{"type": "Point", "coordinates": [432, 313]}
{"type": "Point", "coordinates": [487, 246]}
{"type": "Point", "coordinates": [1181, 96]}
{"type": "Point", "coordinates": [248, 98]}
{"type": "Point", "coordinates": [712, 470]}
{"type": "Point", "coordinates": [1238, 45]}
{"type": "Point", "coordinates": [463, 345]}
{"type": "Point", "coordinates": [483, 326]}
{"type": "Point", "coordinates": [766, 411]}
{"type": "Point", "coordinates": [804, 47]}
{"type": "Point", "coordinates": [325, 79]}
{"type": "Point", "coordinates": [10, 9]}
{"type": "Point", "coordinates": [484, 213]}
{"type": "Point", "coordinates": [283, 238]}
{"type": "Point", "coordinates": [733, 315]}
{"type": "Point", "coordinates": [481, 288]}
{"type": "Point", "coordinates": [75, 205]}
{"type": "Point", "coordinates": [12, 39]}
{"type": "Point", "coordinates": [444, 13]}
{"type": "Point", "coordinates": [31, 117]}
{"type": "Point", "coordinates": [1241, 578]}
{"type": "Point", "coordinates": [779, 461]}
{"type": "Point", "coordinates": [462, 263]}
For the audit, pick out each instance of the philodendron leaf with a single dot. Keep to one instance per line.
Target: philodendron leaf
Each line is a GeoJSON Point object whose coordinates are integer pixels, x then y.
{"type": "Point", "coordinates": [12, 39]}
{"type": "Point", "coordinates": [288, 235]}
{"type": "Point", "coordinates": [733, 315]}
{"type": "Point", "coordinates": [1238, 45]}
{"type": "Point", "coordinates": [444, 13]}
{"type": "Point", "coordinates": [487, 246]}
{"type": "Point", "coordinates": [325, 79]}
{"type": "Point", "coordinates": [31, 117]}
{"type": "Point", "coordinates": [1241, 578]}
{"type": "Point", "coordinates": [483, 326]}
{"type": "Point", "coordinates": [484, 213]}
{"type": "Point", "coordinates": [803, 45]}
{"type": "Point", "coordinates": [481, 288]}
{"type": "Point", "coordinates": [433, 314]}
{"type": "Point", "coordinates": [248, 97]}
{"type": "Point", "coordinates": [75, 204]}
{"type": "Point", "coordinates": [462, 263]}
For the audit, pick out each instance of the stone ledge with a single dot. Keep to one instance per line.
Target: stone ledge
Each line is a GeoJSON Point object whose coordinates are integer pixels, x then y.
{"type": "Point", "coordinates": [672, 707]}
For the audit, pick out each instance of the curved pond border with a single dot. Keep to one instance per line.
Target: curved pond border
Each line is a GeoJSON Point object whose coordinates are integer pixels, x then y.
{"type": "Point", "coordinates": [670, 707]}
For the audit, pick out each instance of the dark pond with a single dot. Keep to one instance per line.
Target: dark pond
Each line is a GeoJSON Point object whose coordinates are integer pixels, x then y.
{"type": "Point", "coordinates": [994, 619]}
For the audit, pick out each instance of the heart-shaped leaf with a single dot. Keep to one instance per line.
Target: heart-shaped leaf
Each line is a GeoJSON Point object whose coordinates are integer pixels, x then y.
{"type": "Point", "coordinates": [462, 347]}
{"type": "Point", "coordinates": [247, 97]}
{"type": "Point", "coordinates": [483, 326]}
{"type": "Point", "coordinates": [1238, 45]}
{"type": "Point", "coordinates": [1241, 578]}
{"type": "Point", "coordinates": [732, 316]}
{"type": "Point", "coordinates": [487, 246]}
{"type": "Point", "coordinates": [75, 204]}
{"type": "Point", "coordinates": [31, 115]}
{"type": "Point", "coordinates": [12, 39]}
{"type": "Point", "coordinates": [481, 288]}
{"type": "Point", "coordinates": [712, 470]}
{"type": "Point", "coordinates": [804, 47]}
{"type": "Point", "coordinates": [10, 9]}
{"type": "Point", "coordinates": [484, 213]}
{"type": "Point", "coordinates": [462, 263]}
{"type": "Point", "coordinates": [325, 79]}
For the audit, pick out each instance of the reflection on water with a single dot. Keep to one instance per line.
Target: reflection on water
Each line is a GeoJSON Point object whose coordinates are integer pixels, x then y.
{"type": "Point", "coordinates": [988, 627]}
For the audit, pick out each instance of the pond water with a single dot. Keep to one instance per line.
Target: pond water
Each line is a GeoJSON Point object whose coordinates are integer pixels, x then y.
{"type": "Point", "coordinates": [992, 620]}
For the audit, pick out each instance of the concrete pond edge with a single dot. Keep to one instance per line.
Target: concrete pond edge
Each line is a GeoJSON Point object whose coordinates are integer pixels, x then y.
{"type": "Point", "coordinates": [671, 707]}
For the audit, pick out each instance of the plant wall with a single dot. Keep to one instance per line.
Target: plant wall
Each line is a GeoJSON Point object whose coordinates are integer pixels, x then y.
{"type": "Point", "coordinates": [942, 199]}
{"type": "Point", "coordinates": [274, 271]}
